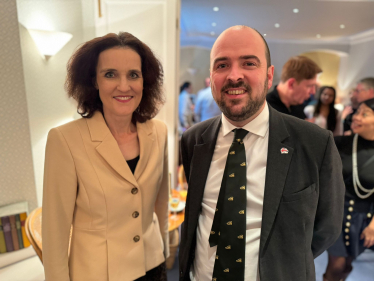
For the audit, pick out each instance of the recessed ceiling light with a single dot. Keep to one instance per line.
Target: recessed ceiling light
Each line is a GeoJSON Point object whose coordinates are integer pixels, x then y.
{"type": "Point", "coordinates": [277, 25]}
{"type": "Point", "coordinates": [214, 24]}
{"type": "Point", "coordinates": [264, 34]}
{"type": "Point", "coordinates": [295, 11]}
{"type": "Point", "coordinates": [342, 26]}
{"type": "Point", "coordinates": [212, 33]}
{"type": "Point", "coordinates": [216, 9]}
{"type": "Point", "coordinates": [318, 35]}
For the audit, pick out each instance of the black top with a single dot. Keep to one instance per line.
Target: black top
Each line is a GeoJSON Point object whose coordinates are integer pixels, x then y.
{"type": "Point", "coordinates": [132, 163]}
{"type": "Point", "coordinates": [295, 110]}
{"type": "Point", "coordinates": [348, 121]}
{"type": "Point", "coordinates": [365, 150]}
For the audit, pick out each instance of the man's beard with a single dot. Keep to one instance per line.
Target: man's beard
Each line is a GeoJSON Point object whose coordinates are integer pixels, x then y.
{"type": "Point", "coordinates": [252, 106]}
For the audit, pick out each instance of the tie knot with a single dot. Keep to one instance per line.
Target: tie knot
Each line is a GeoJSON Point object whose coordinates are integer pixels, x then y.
{"type": "Point", "coordinates": [240, 134]}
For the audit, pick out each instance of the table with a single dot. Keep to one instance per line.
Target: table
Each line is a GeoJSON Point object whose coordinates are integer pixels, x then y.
{"type": "Point", "coordinates": [175, 223]}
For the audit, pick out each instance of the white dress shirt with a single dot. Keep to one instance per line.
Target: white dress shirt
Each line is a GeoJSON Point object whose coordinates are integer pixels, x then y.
{"type": "Point", "coordinates": [256, 149]}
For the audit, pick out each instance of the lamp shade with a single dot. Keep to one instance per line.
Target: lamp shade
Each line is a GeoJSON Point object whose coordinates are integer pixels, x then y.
{"type": "Point", "coordinates": [49, 42]}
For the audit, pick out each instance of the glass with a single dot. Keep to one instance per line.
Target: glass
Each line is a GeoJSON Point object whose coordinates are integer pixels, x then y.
{"type": "Point", "coordinates": [174, 202]}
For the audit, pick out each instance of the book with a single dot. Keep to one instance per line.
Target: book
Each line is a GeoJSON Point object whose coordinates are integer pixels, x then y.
{"type": "Point", "coordinates": [7, 234]}
{"type": "Point", "coordinates": [2, 239]}
{"type": "Point", "coordinates": [25, 240]}
{"type": "Point", "coordinates": [19, 232]}
{"type": "Point", "coordinates": [13, 230]}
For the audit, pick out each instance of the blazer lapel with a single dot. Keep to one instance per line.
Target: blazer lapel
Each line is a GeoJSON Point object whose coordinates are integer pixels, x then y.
{"type": "Point", "coordinates": [278, 163]}
{"type": "Point", "coordinates": [146, 140]}
{"type": "Point", "coordinates": [108, 147]}
{"type": "Point", "coordinates": [200, 163]}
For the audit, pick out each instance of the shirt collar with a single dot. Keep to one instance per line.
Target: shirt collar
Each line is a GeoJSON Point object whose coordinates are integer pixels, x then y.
{"type": "Point", "coordinates": [257, 126]}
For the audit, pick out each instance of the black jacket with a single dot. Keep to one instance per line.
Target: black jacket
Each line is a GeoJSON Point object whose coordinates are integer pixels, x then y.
{"type": "Point", "coordinates": [275, 102]}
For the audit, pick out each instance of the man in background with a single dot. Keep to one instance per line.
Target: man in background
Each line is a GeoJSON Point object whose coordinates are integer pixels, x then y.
{"type": "Point", "coordinates": [206, 107]}
{"type": "Point", "coordinates": [298, 83]}
{"type": "Point", "coordinates": [364, 90]}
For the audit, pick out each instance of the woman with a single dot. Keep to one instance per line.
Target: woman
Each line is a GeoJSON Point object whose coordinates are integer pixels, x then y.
{"type": "Point", "coordinates": [106, 174]}
{"type": "Point", "coordinates": [324, 113]}
{"type": "Point", "coordinates": [357, 153]}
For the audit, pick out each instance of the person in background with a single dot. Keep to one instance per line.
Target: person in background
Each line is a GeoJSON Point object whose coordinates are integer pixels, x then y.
{"type": "Point", "coordinates": [106, 174]}
{"type": "Point", "coordinates": [298, 83]}
{"type": "Point", "coordinates": [364, 90]}
{"type": "Point", "coordinates": [349, 111]}
{"type": "Point", "coordinates": [357, 154]}
{"type": "Point", "coordinates": [324, 114]}
{"type": "Point", "coordinates": [186, 107]}
{"type": "Point", "coordinates": [207, 85]}
{"type": "Point", "coordinates": [206, 107]}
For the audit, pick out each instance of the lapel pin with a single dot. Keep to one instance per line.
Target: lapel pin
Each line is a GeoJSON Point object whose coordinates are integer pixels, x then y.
{"type": "Point", "coordinates": [284, 150]}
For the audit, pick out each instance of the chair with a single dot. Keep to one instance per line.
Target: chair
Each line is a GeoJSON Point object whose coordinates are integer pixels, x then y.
{"type": "Point", "coordinates": [33, 229]}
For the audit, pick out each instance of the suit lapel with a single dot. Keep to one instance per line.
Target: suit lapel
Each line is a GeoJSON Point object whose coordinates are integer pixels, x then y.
{"type": "Point", "coordinates": [108, 147]}
{"type": "Point", "coordinates": [276, 172]}
{"type": "Point", "coordinates": [146, 140]}
{"type": "Point", "coordinates": [200, 163]}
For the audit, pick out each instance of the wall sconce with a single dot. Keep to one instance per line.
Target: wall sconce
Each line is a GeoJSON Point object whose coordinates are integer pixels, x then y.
{"type": "Point", "coordinates": [49, 43]}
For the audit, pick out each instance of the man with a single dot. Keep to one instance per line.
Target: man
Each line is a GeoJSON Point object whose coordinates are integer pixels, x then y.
{"type": "Point", "coordinates": [364, 90]}
{"type": "Point", "coordinates": [265, 181]}
{"type": "Point", "coordinates": [205, 106]}
{"type": "Point", "coordinates": [349, 111]}
{"type": "Point", "coordinates": [298, 83]}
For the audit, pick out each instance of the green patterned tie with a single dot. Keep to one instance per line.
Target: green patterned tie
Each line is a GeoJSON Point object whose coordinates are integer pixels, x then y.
{"type": "Point", "coordinates": [229, 224]}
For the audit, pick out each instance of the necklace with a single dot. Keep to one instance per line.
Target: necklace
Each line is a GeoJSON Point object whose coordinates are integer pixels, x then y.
{"type": "Point", "coordinates": [356, 182]}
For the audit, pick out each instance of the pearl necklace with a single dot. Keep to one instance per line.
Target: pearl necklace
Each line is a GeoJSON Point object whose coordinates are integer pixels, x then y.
{"type": "Point", "coordinates": [356, 180]}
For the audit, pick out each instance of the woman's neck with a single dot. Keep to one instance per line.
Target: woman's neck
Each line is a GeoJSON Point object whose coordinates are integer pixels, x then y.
{"type": "Point", "coordinates": [119, 126]}
{"type": "Point", "coordinates": [324, 110]}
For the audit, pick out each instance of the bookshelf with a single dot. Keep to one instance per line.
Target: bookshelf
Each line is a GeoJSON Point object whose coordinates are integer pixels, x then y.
{"type": "Point", "coordinates": [20, 254]}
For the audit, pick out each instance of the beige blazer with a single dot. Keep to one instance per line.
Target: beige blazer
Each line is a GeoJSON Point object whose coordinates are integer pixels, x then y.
{"type": "Point", "coordinates": [88, 184]}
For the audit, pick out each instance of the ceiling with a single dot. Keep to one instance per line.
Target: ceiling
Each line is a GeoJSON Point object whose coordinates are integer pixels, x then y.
{"type": "Point", "coordinates": [317, 20]}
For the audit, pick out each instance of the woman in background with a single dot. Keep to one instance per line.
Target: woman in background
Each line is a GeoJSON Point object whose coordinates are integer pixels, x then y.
{"type": "Point", "coordinates": [357, 154]}
{"type": "Point", "coordinates": [106, 174]}
{"type": "Point", "coordinates": [324, 114]}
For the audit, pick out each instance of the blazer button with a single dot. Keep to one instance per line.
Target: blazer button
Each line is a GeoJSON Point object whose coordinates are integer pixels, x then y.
{"type": "Point", "coordinates": [134, 190]}
{"type": "Point", "coordinates": [136, 238]}
{"type": "Point", "coordinates": [135, 214]}
{"type": "Point", "coordinates": [181, 273]}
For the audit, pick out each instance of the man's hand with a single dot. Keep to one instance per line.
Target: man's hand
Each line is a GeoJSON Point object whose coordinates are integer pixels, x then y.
{"type": "Point", "coordinates": [346, 111]}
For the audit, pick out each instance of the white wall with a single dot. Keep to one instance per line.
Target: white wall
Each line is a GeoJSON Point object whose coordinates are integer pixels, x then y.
{"type": "Point", "coordinates": [48, 104]}
{"type": "Point", "coordinates": [359, 64]}
{"type": "Point", "coordinates": [16, 167]}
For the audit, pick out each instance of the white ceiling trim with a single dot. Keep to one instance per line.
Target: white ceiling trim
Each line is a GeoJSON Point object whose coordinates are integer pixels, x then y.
{"type": "Point", "coordinates": [362, 37]}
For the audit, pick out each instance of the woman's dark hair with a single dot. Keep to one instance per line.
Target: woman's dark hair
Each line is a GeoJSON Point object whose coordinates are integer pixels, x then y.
{"type": "Point", "coordinates": [184, 86]}
{"type": "Point", "coordinates": [81, 76]}
{"type": "Point", "coordinates": [331, 118]}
